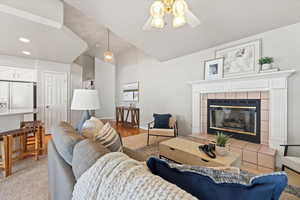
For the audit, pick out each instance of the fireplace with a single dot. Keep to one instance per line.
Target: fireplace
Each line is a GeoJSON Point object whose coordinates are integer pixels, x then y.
{"type": "Point", "coordinates": [239, 118]}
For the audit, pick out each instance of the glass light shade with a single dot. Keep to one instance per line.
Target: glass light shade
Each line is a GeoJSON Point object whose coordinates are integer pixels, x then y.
{"type": "Point", "coordinates": [84, 99]}
{"type": "Point", "coordinates": [157, 9]}
{"type": "Point", "coordinates": [158, 22]}
{"type": "Point", "coordinates": [179, 8]}
{"type": "Point", "coordinates": [108, 56]}
{"type": "Point", "coordinates": [179, 21]}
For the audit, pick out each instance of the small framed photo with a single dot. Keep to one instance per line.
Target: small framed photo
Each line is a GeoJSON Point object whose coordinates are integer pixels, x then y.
{"type": "Point", "coordinates": [214, 69]}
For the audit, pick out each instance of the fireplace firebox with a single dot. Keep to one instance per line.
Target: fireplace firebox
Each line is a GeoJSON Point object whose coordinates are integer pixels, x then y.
{"type": "Point", "coordinates": [239, 118]}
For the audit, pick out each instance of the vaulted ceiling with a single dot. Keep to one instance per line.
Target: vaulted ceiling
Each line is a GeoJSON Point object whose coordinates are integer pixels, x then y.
{"type": "Point", "coordinates": [92, 32]}
{"type": "Point", "coordinates": [222, 21]}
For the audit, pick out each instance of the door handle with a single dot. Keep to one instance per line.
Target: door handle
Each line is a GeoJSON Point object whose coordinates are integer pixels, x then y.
{"type": "Point", "coordinates": [47, 106]}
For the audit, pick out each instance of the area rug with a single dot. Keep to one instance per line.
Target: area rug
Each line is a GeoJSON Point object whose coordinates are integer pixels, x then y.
{"type": "Point", "coordinates": [290, 193]}
{"type": "Point", "coordinates": [29, 181]}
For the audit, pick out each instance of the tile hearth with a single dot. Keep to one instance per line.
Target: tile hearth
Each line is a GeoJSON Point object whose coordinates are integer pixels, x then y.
{"type": "Point", "coordinates": [255, 156]}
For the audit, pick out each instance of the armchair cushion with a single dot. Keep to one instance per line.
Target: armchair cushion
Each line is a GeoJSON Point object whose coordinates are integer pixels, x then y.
{"type": "Point", "coordinates": [292, 162]}
{"type": "Point", "coordinates": [161, 121]}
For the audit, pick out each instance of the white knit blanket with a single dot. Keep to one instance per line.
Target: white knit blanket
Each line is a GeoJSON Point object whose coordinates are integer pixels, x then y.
{"type": "Point", "coordinates": [117, 177]}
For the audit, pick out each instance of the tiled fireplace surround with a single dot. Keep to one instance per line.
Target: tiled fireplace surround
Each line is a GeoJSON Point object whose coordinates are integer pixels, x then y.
{"type": "Point", "coordinates": [253, 155]}
{"type": "Point", "coordinates": [271, 89]}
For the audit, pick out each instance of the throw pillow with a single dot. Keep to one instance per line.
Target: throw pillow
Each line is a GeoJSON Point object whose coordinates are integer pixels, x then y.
{"type": "Point", "coordinates": [109, 138]}
{"type": "Point", "coordinates": [91, 127]}
{"type": "Point", "coordinates": [65, 137]}
{"type": "Point", "coordinates": [85, 154]}
{"type": "Point", "coordinates": [204, 186]}
{"type": "Point", "coordinates": [161, 120]}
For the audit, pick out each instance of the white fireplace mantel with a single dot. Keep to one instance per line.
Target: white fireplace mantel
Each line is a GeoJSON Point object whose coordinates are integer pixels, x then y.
{"type": "Point", "coordinates": [275, 82]}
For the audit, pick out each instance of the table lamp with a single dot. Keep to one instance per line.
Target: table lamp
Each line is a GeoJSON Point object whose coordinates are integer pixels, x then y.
{"type": "Point", "coordinates": [86, 100]}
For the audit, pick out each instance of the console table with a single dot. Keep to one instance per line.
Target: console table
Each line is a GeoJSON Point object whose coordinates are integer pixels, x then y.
{"type": "Point", "coordinates": [123, 113]}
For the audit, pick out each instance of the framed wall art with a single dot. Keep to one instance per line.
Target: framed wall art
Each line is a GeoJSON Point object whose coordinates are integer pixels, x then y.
{"type": "Point", "coordinates": [241, 59]}
{"type": "Point", "coordinates": [130, 92]}
{"type": "Point", "coordinates": [214, 69]}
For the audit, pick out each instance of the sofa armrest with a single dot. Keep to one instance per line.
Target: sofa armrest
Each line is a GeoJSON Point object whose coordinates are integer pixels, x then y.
{"type": "Point", "coordinates": [135, 154]}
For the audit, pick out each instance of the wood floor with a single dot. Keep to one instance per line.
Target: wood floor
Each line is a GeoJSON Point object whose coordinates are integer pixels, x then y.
{"type": "Point", "coordinates": [125, 131]}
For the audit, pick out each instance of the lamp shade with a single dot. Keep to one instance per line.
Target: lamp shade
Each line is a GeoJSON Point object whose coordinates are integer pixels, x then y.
{"type": "Point", "coordinates": [84, 99]}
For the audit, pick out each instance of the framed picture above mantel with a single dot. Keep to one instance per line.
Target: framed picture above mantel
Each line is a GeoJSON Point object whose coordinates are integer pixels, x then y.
{"type": "Point", "coordinates": [241, 59]}
{"type": "Point", "coordinates": [214, 69]}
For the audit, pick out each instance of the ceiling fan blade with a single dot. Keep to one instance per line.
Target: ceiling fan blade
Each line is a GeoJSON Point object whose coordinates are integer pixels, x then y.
{"type": "Point", "coordinates": [147, 25]}
{"type": "Point", "coordinates": [192, 20]}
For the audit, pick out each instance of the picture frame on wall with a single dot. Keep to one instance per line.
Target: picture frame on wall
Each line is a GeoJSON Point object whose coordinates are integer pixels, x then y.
{"type": "Point", "coordinates": [241, 59]}
{"type": "Point", "coordinates": [214, 69]}
{"type": "Point", "coordinates": [130, 92]}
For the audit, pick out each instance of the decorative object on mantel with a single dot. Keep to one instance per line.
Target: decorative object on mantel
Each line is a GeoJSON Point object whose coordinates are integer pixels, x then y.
{"type": "Point", "coordinates": [221, 144]}
{"type": "Point", "coordinates": [131, 92]}
{"type": "Point", "coordinates": [241, 59]}
{"type": "Point", "coordinates": [266, 63]}
{"type": "Point", "coordinates": [270, 70]}
{"type": "Point", "coordinates": [214, 69]}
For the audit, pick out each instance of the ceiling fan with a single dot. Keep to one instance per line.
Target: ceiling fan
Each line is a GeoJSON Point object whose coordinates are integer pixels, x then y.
{"type": "Point", "coordinates": [178, 8]}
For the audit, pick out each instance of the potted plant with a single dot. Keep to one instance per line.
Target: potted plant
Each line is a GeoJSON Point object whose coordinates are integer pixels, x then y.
{"type": "Point", "coordinates": [266, 63]}
{"type": "Point", "coordinates": [221, 141]}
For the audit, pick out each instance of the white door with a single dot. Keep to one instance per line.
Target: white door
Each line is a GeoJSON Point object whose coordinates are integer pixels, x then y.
{"type": "Point", "coordinates": [55, 99]}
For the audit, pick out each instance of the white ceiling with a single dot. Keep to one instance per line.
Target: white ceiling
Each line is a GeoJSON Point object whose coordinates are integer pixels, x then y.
{"type": "Point", "coordinates": [47, 42]}
{"type": "Point", "coordinates": [222, 21]}
{"type": "Point", "coordinates": [92, 32]}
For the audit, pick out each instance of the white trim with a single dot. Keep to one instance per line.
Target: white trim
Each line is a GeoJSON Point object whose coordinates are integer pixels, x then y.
{"type": "Point", "coordinates": [30, 16]}
{"type": "Point", "coordinates": [101, 118]}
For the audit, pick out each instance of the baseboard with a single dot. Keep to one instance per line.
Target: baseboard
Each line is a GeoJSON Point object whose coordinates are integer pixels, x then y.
{"type": "Point", "coordinates": [113, 118]}
{"type": "Point", "coordinates": [144, 127]}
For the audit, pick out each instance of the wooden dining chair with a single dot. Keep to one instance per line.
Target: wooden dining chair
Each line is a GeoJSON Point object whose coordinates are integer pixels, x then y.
{"type": "Point", "coordinates": [34, 140]}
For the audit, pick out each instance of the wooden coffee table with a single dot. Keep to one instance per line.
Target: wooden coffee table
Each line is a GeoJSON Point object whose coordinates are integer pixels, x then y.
{"type": "Point", "coordinates": [186, 151]}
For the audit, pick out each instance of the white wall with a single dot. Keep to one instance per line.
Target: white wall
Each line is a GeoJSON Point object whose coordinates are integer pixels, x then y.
{"type": "Point", "coordinates": [105, 84]}
{"type": "Point", "coordinates": [75, 83]}
{"type": "Point", "coordinates": [40, 66]}
{"type": "Point", "coordinates": [164, 85]}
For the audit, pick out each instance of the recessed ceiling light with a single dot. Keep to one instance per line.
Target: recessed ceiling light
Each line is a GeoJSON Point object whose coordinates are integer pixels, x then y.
{"type": "Point", "coordinates": [26, 53]}
{"type": "Point", "coordinates": [25, 40]}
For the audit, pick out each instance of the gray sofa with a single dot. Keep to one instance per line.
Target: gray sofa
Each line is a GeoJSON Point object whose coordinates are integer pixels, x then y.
{"type": "Point", "coordinates": [61, 173]}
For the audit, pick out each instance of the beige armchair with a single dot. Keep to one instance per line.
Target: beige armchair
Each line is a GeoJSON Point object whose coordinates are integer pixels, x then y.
{"type": "Point", "coordinates": [172, 131]}
{"type": "Point", "coordinates": [290, 162]}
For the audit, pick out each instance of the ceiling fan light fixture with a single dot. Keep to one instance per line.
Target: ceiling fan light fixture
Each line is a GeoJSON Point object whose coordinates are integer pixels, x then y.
{"type": "Point", "coordinates": [157, 9]}
{"type": "Point", "coordinates": [179, 21]}
{"type": "Point", "coordinates": [179, 8]}
{"type": "Point", "coordinates": [158, 22]}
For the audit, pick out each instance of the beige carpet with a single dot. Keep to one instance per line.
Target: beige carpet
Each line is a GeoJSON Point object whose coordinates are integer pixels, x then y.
{"type": "Point", "coordinates": [28, 182]}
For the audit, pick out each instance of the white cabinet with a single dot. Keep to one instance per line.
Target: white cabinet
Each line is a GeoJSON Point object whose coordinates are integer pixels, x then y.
{"type": "Point", "coordinates": [18, 74]}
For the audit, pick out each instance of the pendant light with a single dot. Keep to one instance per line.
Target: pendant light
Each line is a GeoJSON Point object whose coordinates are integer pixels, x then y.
{"type": "Point", "coordinates": [108, 54]}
